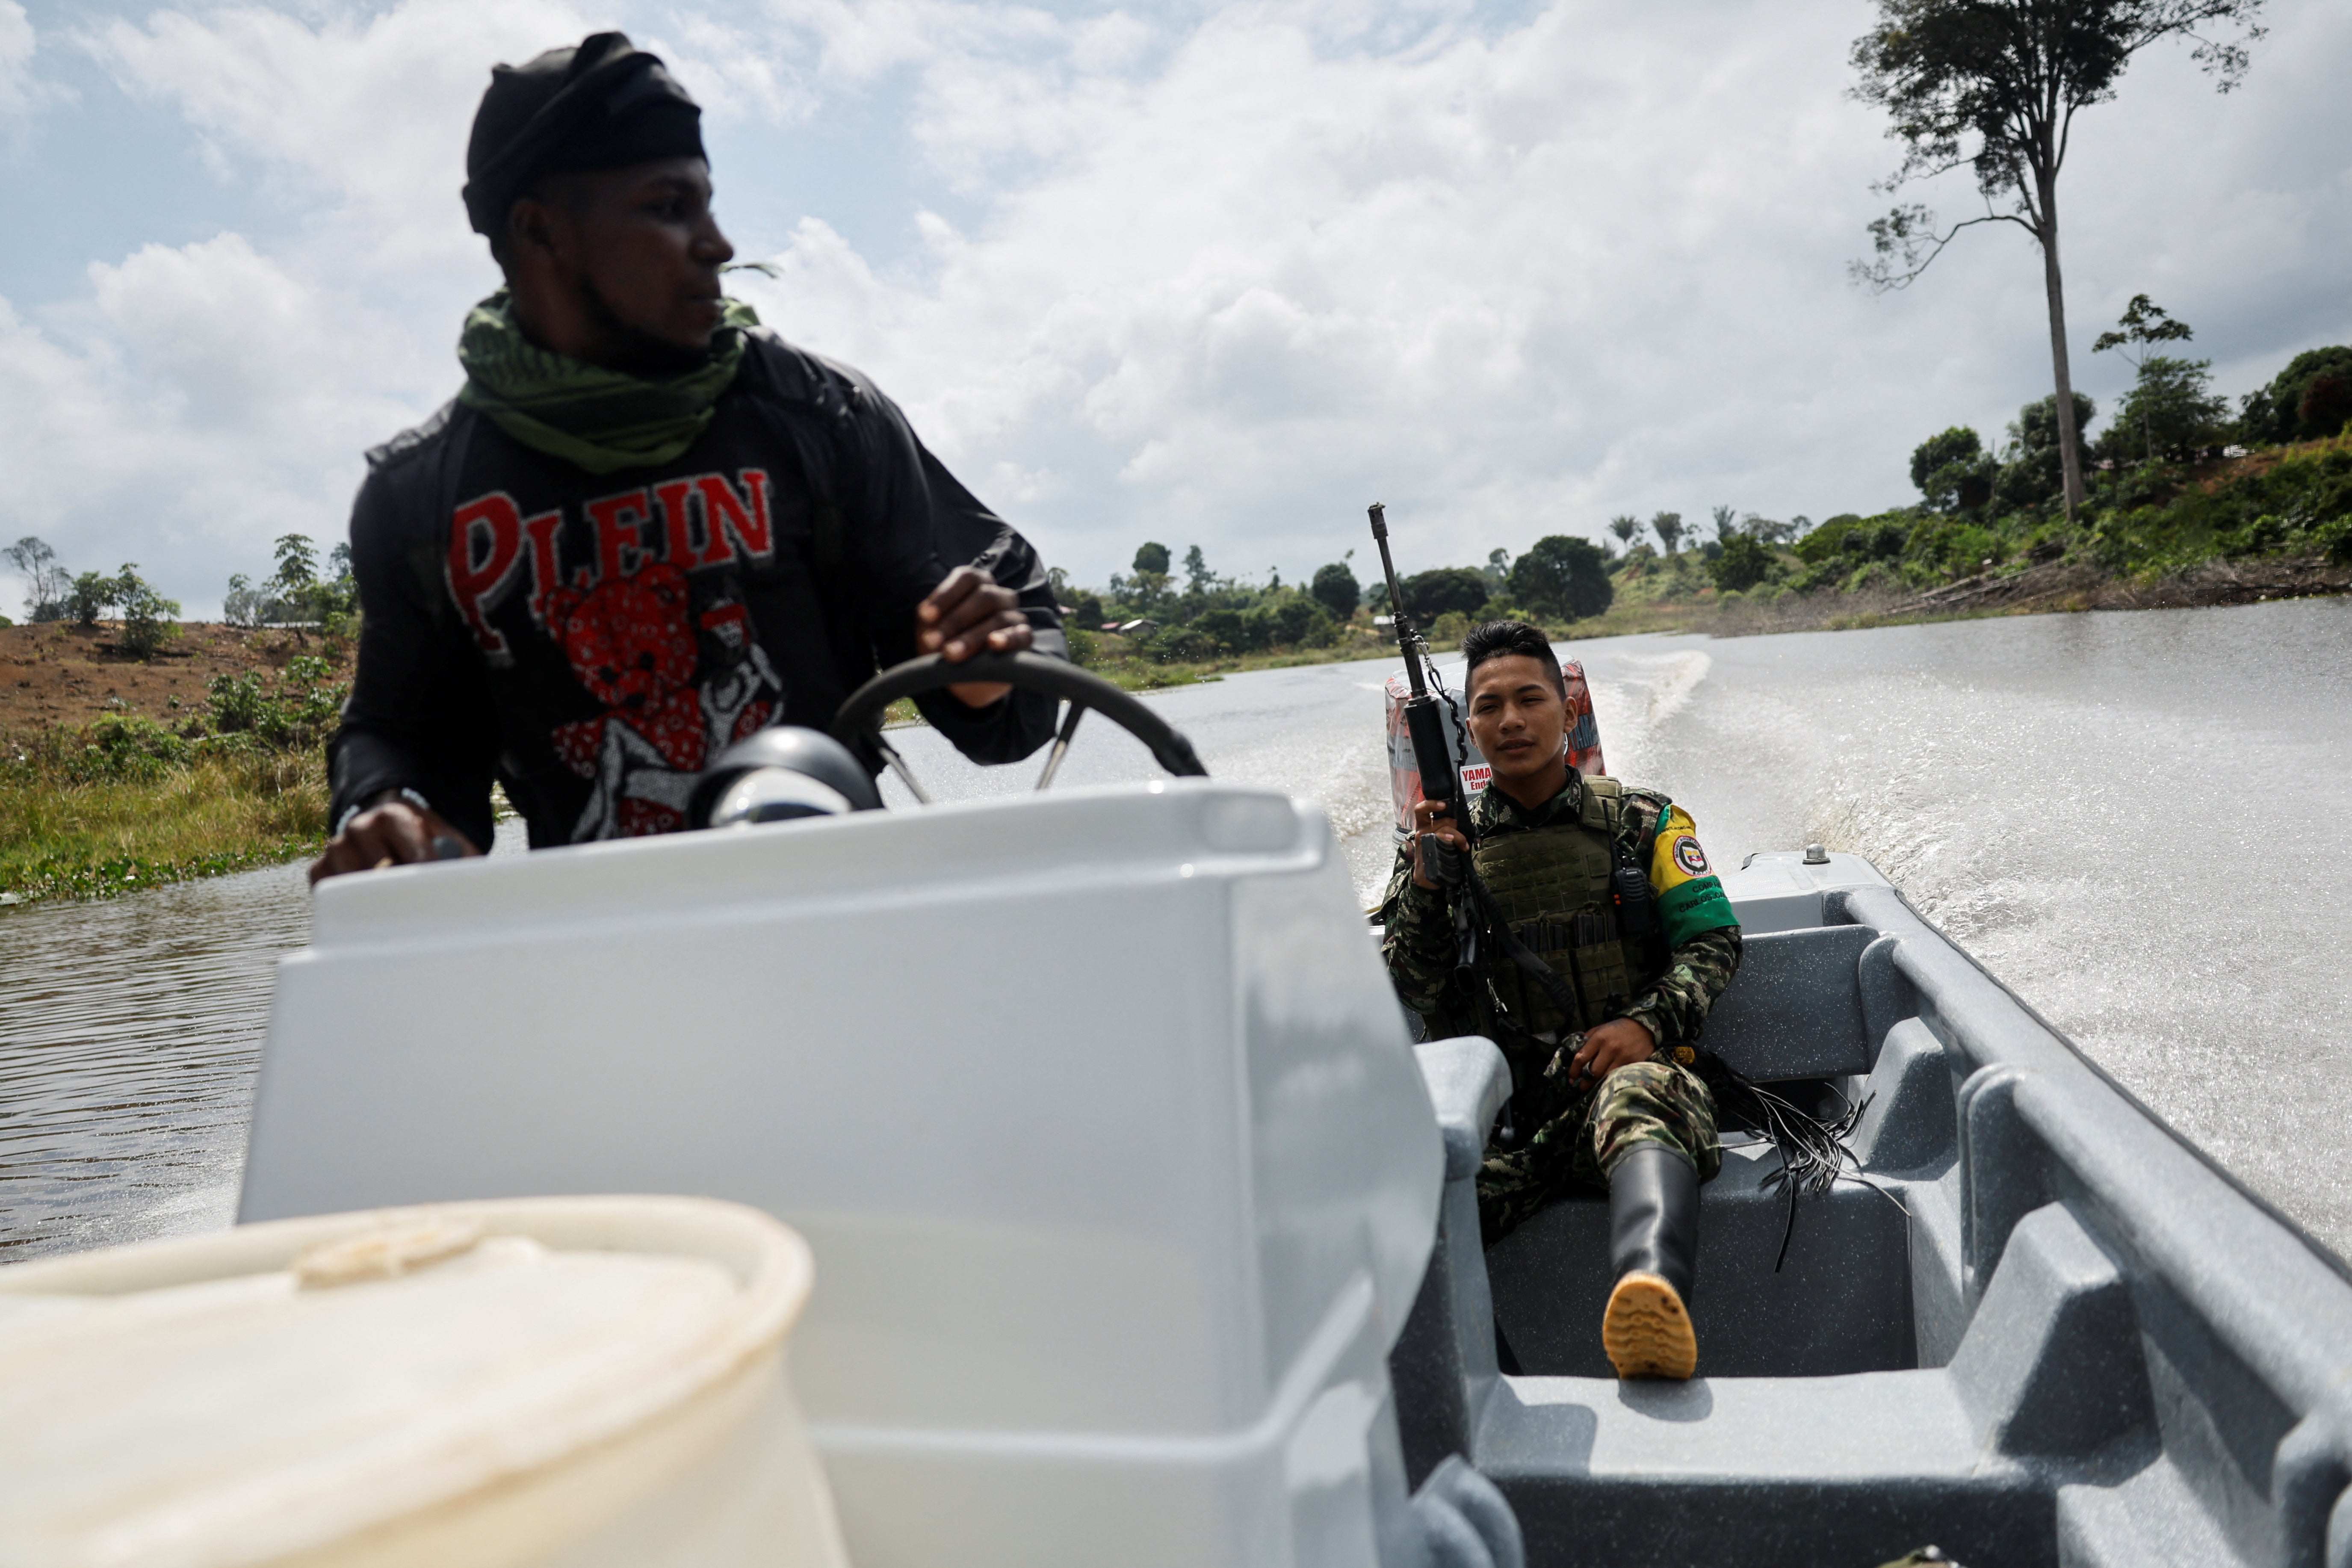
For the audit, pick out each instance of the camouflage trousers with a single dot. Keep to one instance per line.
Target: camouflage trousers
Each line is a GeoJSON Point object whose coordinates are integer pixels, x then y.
{"type": "Point", "coordinates": [1584, 1133]}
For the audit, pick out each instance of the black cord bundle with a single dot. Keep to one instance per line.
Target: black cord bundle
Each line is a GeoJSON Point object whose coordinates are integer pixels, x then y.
{"type": "Point", "coordinates": [1813, 1152]}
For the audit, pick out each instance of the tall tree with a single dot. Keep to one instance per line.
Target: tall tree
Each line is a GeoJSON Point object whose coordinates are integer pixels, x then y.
{"type": "Point", "coordinates": [1994, 85]}
{"type": "Point", "coordinates": [1726, 523]}
{"type": "Point", "coordinates": [1668, 527]}
{"type": "Point", "coordinates": [1198, 578]}
{"type": "Point", "coordinates": [1626, 527]}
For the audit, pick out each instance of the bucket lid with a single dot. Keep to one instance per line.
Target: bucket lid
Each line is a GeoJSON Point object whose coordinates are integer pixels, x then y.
{"type": "Point", "coordinates": [273, 1389]}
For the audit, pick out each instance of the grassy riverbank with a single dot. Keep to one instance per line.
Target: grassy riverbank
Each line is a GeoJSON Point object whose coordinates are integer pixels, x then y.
{"type": "Point", "coordinates": [125, 801]}
{"type": "Point", "coordinates": [66, 837]}
{"type": "Point", "coordinates": [2275, 523]}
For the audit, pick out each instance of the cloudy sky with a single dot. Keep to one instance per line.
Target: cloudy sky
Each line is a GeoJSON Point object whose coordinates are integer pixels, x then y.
{"type": "Point", "coordinates": [1203, 274]}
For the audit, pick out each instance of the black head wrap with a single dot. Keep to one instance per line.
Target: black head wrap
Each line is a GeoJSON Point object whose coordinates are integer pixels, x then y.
{"type": "Point", "coordinates": [599, 106]}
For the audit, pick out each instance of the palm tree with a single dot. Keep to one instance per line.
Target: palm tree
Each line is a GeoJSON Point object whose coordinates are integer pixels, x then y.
{"type": "Point", "coordinates": [1626, 527]}
{"type": "Point", "coordinates": [1668, 527]}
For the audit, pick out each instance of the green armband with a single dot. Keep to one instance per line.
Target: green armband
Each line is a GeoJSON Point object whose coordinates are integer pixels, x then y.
{"type": "Point", "coordinates": [1693, 908]}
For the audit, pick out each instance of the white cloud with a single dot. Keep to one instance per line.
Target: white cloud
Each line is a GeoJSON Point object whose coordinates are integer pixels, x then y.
{"type": "Point", "coordinates": [22, 94]}
{"type": "Point", "coordinates": [200, 404]}
{"type": "Point", "coordinates": [362, 112]}
{"type": "Point", "coordinates": [1203, 275]}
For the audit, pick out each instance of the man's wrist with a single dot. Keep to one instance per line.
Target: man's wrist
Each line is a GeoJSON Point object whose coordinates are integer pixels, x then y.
{"type": "Point", "coordinates": [1650, 1020]}
{"type": "Point", "coordinates": [381, 797]}
{"type": "Point", "coordinates": [1425, 926]}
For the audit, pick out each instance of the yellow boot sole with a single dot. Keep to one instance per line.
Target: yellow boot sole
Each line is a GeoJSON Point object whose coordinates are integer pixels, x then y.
{"type": "Point", "coordinates": [1647, 1330]}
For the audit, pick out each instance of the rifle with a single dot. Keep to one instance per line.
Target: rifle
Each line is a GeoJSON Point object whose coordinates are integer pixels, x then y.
{"type": "Point", "coordinates": [1433, 757]}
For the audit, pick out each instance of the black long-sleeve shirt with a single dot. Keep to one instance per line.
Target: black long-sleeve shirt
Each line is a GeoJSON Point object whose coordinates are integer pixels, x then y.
{"type": "Point", "coordinates": [591, 641]}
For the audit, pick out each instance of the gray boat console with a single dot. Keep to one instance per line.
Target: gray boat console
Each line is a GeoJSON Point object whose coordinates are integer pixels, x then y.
{"type": "Point", "coordinates": [2051, 1333]}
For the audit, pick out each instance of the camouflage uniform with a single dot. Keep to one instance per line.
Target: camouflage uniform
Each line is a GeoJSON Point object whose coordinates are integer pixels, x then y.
{"type": "Point", "coordinates": [1573, 1137]}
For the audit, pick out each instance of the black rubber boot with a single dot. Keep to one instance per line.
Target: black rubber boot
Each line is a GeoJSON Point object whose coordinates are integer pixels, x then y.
{"type": "Point", "coordinates": [1654, 1252]}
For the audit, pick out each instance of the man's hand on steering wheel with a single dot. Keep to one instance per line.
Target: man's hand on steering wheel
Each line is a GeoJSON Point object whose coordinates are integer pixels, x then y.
{"type": "Point", "coordinates": [967, 613]}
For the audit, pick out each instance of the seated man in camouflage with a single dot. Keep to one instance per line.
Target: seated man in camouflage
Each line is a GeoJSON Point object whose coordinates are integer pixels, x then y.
{"type": "Point", "coordinates": [1607, 1097]}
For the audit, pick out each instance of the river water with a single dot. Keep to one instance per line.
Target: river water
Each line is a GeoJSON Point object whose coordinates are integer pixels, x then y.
{"type": "Point", "coordinates": [2142, 821]}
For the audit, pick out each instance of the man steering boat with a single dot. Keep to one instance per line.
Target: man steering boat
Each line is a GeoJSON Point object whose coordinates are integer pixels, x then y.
{"type": "Point", "coordinates": [647, 527]}
{"type": "Point", "coordinates": [1608, 1097]}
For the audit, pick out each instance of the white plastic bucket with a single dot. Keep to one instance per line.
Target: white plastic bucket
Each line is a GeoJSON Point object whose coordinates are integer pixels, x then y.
{"type": "Point", "coordinates": [563, 1383]}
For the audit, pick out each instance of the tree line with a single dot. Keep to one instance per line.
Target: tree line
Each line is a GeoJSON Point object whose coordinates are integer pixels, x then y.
{"type": "Point", "coordinates": [1201, 614]}
{"type": "Point", "coordinates": [296, 593]}
{"type": "Point", "coordinates": [52, 593]}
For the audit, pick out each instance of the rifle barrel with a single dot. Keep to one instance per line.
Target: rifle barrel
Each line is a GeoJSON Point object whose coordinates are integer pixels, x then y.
{"type": "Point", "coordinates": [1397, 613]}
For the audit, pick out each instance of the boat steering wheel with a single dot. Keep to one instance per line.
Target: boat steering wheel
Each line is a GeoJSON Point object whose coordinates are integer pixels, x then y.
{"type": "Point", "coordinates": [858, 724]}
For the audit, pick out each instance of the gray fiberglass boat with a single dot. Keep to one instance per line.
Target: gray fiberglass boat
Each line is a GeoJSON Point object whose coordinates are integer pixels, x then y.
{"type": "Point", "coordinates": [1173, 1257]}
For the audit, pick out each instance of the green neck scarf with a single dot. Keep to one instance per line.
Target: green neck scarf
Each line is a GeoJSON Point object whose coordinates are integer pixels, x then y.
{"type": "Point", "coordinates": [601, 419]}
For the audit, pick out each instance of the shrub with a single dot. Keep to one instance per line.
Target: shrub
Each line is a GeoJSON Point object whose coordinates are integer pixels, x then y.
{"type": "Point", "coordinates": [125, 748]}
{"type": "Point", "coordinates": [1450, 628]}
{"type": "Point", "coordinates": [1877, 577]}
{"type": "Point", "coordinates": [297, 715]}
{"type": "Point", "coordinates": [1743, 564]}
{"type": "Point", "coordinates": [1181, 643]}
{"type": "Point", "coordinates": [1968, 547]}
{"type": "Point", "coordinates": [89, 597]}
{"type": "Point", "coordinates": [1824, 542]}
{"type": "Point", "coordinates": [146, 614]}
{"type": "Point", "coordinates": [1285, 621]}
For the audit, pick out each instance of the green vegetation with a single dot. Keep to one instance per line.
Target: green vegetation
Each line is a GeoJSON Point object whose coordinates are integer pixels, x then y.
{"type": "Point", "coordinates": [1163, 627]}
{"type": "Point", "coordinates": [125, 802]}
{"type": "Point", "coordinates": [53, 594]}
{"type": "Point", "coordinates": [2179, 484]}
{"type": "Point", "coordinates": [295, 593]}
{"type": "Point", "coordinates": [146, 615]}
{"type": "Point", "coordinates": [2310, 400]}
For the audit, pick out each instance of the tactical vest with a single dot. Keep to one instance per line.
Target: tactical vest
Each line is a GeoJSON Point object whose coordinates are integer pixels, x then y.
{"type": "Point", "coordinates": [1552, 883]}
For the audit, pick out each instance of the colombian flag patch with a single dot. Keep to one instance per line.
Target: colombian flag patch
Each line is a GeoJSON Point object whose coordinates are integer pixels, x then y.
{"type": "Point", "coordinates": [1690, 899]}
